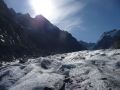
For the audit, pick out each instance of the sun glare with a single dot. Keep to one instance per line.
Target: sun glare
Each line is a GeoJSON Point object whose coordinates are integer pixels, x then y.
{"type": "Point", "coordinates": [43, 7]}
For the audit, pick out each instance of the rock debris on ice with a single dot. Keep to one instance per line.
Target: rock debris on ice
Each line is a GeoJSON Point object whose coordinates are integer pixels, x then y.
{"type": "Point", "coordinates": [84, 70]}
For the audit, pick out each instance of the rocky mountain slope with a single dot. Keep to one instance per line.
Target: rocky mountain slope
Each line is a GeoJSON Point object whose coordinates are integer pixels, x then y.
{"type": "Point", "coordinates": [109, 39]}
{"type": "Point", "coordinates": [22, 36]}
{"type": "Point", "coordinates": [89, 46]}
{"type": "Point", "coordinates": [84, 70]}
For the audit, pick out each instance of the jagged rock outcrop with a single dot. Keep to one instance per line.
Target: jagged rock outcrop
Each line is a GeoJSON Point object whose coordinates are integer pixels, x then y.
{"type": "Point", "coordinates": [108, 40]}
{"type": "Point", "coordinates": [22, 35]}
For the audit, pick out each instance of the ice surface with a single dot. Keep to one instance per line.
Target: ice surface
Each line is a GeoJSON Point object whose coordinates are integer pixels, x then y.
{"type": "Point", "coordinates": [84, 70]}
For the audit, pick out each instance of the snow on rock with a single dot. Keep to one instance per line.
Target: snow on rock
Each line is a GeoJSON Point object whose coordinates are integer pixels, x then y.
{"type": "Point", "coordinates": [84, 70]}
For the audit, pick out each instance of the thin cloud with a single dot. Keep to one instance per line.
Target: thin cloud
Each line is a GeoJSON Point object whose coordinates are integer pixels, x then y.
{"type": "Point", "coordinates": [65, 14]}
{"type": "Point", "coordinates": [66, 9]}
{"type": "Point", "coordinates": [70, 24]}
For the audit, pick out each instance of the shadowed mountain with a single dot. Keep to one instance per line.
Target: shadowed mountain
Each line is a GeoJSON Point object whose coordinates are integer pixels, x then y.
{"type": "Point", "coordinates": [87, 45]}
{"type": "Point", "coordinates": [22, 35]}
{"type": "Point", "coordinates": [108, 40]}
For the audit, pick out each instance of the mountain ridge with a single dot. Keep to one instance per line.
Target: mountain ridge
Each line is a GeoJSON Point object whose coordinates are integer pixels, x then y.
{"type": "Point", "coordinates": [21, 36]}
{"type": "Point", "coordinates": [108, 40]}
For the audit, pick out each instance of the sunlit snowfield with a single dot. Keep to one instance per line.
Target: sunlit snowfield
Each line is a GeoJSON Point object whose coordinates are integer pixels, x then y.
{"type": "Point", "coordinates": [84, 70]}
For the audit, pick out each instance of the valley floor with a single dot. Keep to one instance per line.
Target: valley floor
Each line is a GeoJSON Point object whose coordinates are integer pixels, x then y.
{"type": "Point", "coordinates": [84, 70]}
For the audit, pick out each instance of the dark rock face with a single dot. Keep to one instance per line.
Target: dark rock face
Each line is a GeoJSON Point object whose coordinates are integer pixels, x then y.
{"type": "Point", "coordinates": [21, 36]}
{"type": "Point", "coordinates": [108, 40]}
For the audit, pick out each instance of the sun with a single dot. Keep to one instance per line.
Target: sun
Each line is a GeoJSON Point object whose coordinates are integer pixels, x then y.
{"type": "Point", "coordinates": [43, 7]}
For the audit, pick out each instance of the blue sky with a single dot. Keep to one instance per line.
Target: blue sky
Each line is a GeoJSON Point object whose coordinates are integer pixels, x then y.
{"type": "Point", "coordinates": [84, 19]}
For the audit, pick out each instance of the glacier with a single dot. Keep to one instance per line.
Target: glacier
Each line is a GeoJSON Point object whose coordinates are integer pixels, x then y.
{"type": "Point", "coordinates": [83, 70]}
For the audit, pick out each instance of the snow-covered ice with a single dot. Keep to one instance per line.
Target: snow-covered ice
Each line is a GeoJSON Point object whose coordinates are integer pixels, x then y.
{"type": "Point", "coordinates": [84, 70]}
